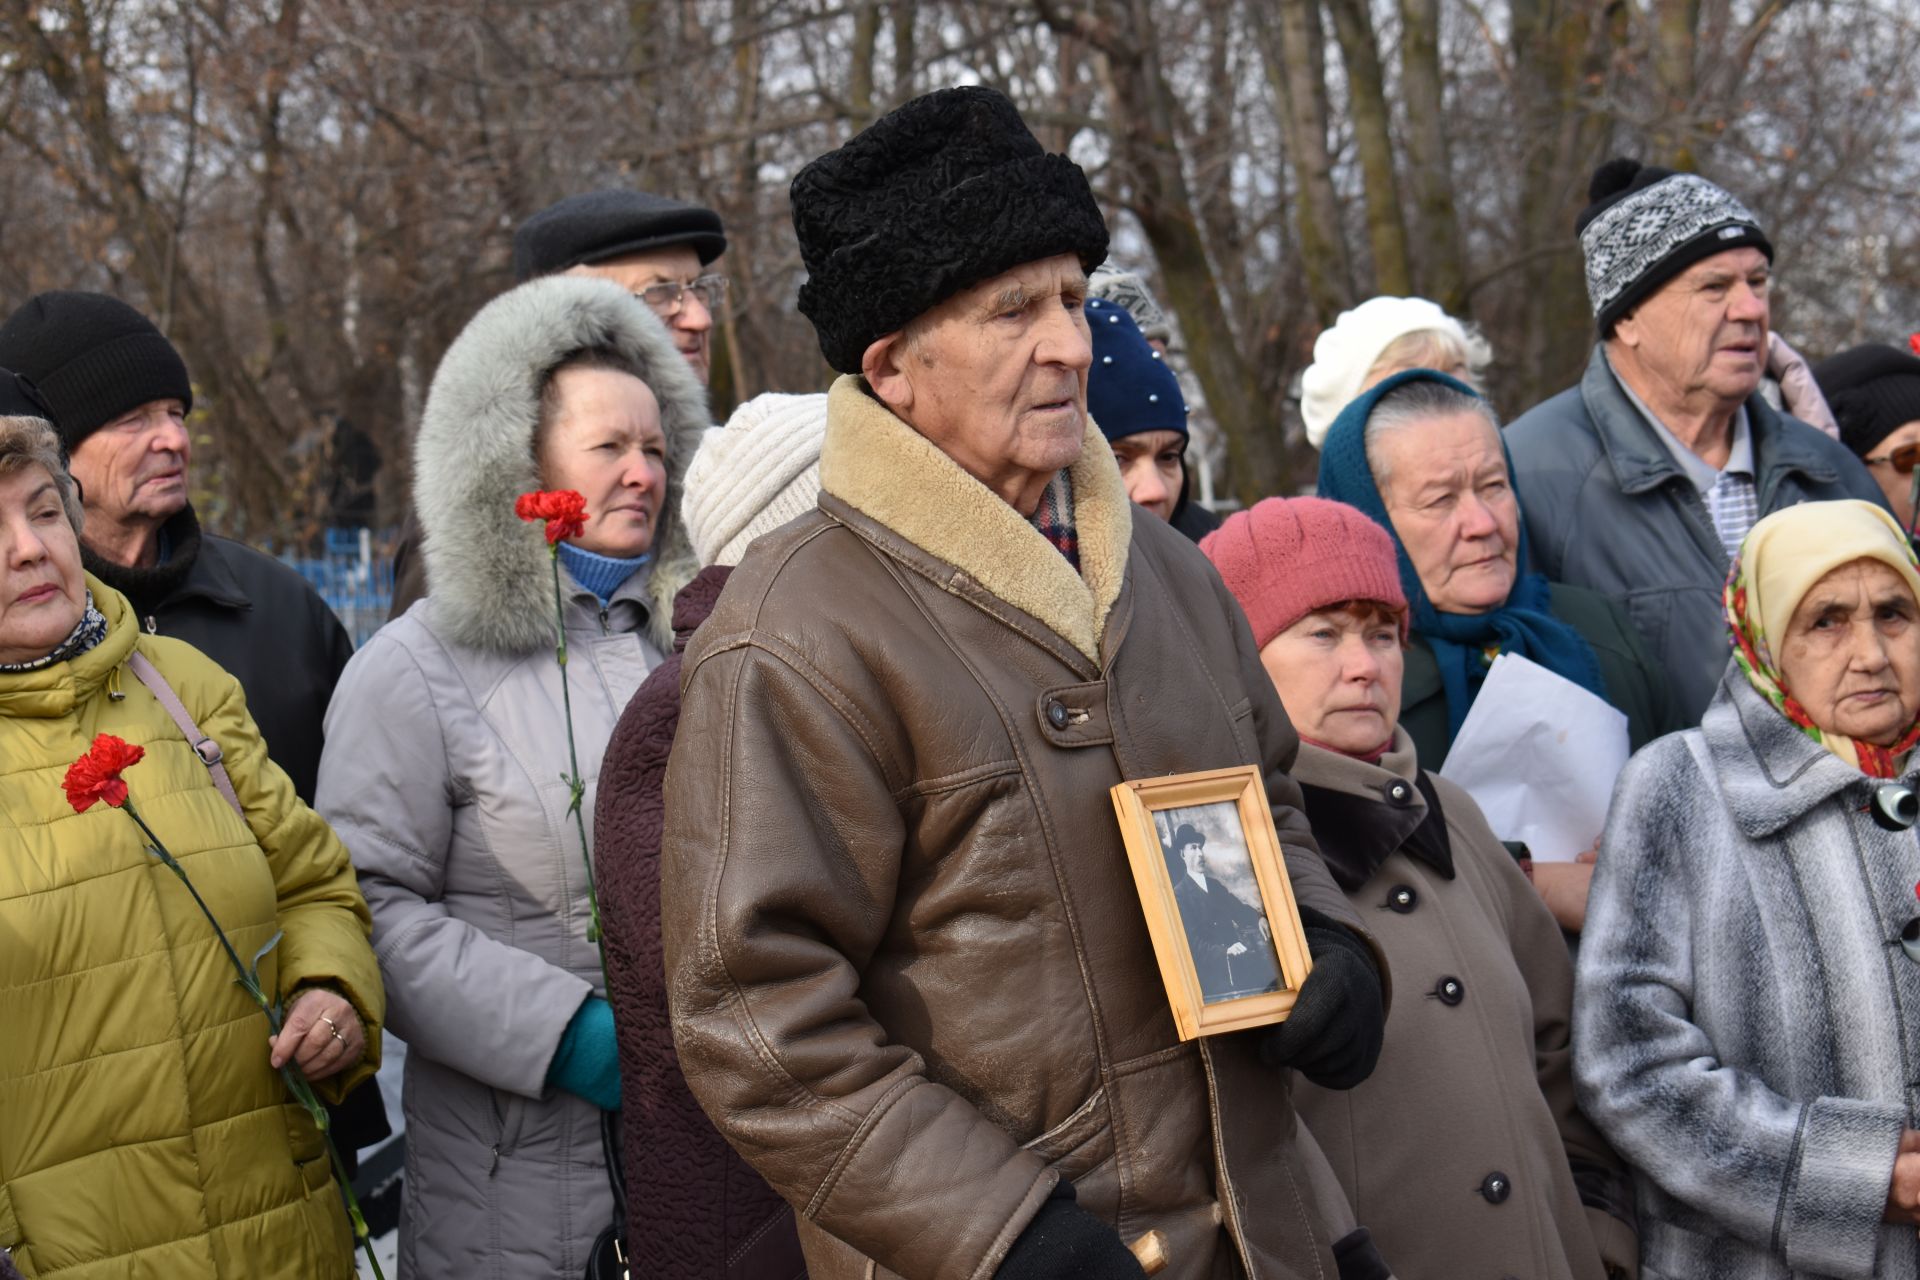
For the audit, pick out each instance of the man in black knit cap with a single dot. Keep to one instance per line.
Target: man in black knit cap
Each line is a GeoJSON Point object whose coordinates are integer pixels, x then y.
{"type": "Point", "coordinates": [1641, 482]}
{"type": "Point", "coordinates": [120, 396]}
{"type": "Point", "coordinates": [910, 978]}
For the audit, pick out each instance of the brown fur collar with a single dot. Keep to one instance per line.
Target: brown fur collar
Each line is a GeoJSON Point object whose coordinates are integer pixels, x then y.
{"type": "Point", "coordinates": [883, 468]}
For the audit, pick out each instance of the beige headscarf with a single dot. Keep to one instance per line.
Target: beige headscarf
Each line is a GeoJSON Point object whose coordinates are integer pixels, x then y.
{"type": "Point", "coordinates": [1781, 559]}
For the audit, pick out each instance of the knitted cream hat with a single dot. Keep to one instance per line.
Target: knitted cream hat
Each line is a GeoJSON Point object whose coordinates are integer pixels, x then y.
{"type": "Point", "coordinates": [753, 475]}
{"type": "Point", "coordinates": [1343, 353]}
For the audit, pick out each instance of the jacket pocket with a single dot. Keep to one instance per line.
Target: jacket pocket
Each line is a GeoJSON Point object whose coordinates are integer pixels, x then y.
{"type": "Point", "coordinates": [308, 1147]}
{"type": "Point", "coordinates": [510, 1118]}
{"type": "Point", "coordinates": [1080, 1143]}
{"type": "Point", "coordinates": [9, 1225]}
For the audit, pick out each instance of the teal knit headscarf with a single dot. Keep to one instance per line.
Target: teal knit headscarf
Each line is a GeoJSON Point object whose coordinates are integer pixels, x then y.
{"type": "Point", "coordinates": [1524, 624]}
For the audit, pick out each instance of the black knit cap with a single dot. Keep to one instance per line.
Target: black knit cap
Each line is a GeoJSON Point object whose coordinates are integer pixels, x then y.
{"type": "Point", "coordinates": [935, 196]}
{"type": "Point", "coordinates": [1644, 225]}
{"type": "Point", "coordinates": [599, 225]}
{"type": "Point", "coordinates": [92, 358]}
{"type": "Point", "coordinates": [1873, 390]}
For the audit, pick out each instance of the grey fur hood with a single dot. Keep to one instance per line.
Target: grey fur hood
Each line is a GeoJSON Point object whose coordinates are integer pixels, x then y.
{"type": "Point", "coordinates": [487, 570]}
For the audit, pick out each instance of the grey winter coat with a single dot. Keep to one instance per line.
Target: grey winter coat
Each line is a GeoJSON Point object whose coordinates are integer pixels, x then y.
{"type": "Point", "coordinates": [446, 742]}
{"type": "Point", "coordinates": [1609, 509]}
{"type": "Point", "coordinates": [1746, 1026]}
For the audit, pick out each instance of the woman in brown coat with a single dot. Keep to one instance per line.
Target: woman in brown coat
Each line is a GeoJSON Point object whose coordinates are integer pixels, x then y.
{"type": "Point", "coordinates": [1463, 1153]}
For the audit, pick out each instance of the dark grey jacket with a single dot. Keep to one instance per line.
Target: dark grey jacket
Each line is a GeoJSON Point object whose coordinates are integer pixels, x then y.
{"type": "Point", "coordinates": [1608, 508]}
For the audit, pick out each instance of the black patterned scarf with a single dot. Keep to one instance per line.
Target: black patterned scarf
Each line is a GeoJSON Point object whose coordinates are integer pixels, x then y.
{"type": "Point", "coordinates": [88, 632]}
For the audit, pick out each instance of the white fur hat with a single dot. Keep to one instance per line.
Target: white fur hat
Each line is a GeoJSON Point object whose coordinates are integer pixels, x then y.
{"type": "Point", "coordinates": [755, 474]}
{"type": "Point", "coordinates": [1343, 354]}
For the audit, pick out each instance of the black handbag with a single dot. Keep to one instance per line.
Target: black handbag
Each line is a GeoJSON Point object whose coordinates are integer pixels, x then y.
{"type": "Point", "coordinates": [608, 1261]}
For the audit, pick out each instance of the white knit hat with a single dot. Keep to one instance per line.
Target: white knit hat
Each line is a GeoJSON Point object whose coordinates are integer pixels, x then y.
{"type": "Point", "coordinates": [753, 475]}
{"type": "Point", "coordinates": [1343, 354]}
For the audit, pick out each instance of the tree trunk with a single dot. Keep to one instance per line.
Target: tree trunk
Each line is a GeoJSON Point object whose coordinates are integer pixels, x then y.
{"type": "Point", "coordinates": [1143, 118]}
{"type": "Point", "coordinates": [1373, 139]}
{"type": "Point", "coordinates": [1558, 52]}
{"type": "Point", "coordinates": [1673, 40]}
{"type": "Point", "coordinates": [1436, 229]}
{"type": "Point", "coordinates": [1291, 49]}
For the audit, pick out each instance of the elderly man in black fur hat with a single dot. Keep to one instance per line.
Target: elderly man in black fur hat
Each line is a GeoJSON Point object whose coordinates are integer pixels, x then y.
{"type": "Point", "coordinates": [910, 979]}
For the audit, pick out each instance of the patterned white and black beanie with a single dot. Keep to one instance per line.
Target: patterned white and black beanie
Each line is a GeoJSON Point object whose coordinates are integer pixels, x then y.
{"type": "Point", "coordinates": [1646, 224]}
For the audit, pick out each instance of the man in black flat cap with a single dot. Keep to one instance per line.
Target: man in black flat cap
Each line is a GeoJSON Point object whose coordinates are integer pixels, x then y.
{"type": "Point", "coordinates": [656, 248]}
{"type": "Point", "coordinates": [909, 976]}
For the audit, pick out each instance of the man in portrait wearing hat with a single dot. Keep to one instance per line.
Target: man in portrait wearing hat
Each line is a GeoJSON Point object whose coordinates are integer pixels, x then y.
{"type": "Point", "coordinates": [657, 248]}
{"type": "Point", "coordinates": [1641, 481]}
{"type": "Point", "coordinates": [1231, 943]}
{"type": "Point", "coordinates": [910, 979]}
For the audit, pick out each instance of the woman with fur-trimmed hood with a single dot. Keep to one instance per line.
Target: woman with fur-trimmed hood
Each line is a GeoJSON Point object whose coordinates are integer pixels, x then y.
{"type": "Point", "coordinates": [446, 742]}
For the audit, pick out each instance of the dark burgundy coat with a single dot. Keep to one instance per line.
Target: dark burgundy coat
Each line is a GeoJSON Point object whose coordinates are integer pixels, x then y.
{"type": "Point", "coordinates": [694, 1208]}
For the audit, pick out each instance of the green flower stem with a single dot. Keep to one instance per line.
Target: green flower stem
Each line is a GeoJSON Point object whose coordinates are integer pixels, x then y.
{"type": "Point", "coordinates": [248, 980]}
{"type": "Point", "coordinates": [576, 787]}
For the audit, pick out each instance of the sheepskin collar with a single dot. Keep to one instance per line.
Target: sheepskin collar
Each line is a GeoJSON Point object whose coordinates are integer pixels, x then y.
{"type": "Point", "coordinates": [881, 467]}
{"type": "Point", "coordinates": [487, 571]}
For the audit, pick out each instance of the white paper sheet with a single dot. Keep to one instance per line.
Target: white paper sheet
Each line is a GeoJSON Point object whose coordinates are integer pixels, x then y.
{"type": "Point", "coordinates": [1540, 755]}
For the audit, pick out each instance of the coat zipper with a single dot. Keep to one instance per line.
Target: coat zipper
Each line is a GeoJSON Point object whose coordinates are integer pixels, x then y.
{"type": "Point", "coordinates": [605, 630]}
{"type": "Point", "coordinates": [153, 625]}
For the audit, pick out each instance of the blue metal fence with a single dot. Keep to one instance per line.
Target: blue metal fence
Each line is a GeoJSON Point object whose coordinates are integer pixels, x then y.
{"type": "Point", "coordinates": [354, 575]}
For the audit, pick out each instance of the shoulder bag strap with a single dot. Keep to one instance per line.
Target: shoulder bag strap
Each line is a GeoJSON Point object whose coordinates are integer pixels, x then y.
{"type": "Point", "coordinates": [206, 748]}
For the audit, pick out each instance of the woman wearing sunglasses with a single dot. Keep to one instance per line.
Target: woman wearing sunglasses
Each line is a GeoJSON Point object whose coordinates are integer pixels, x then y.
{"type": "Point", "coordinates": [1874, 391]}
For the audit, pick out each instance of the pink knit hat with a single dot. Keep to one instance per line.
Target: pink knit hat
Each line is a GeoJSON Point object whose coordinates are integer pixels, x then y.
{"type": "Point", "coordinates": [1285, 557]}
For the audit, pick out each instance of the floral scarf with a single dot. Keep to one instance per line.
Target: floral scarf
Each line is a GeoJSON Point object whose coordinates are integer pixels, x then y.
{"type": "Point", "coordinates": [1755, 657]}
{"type": "Point", "coordinates": [86, 633]}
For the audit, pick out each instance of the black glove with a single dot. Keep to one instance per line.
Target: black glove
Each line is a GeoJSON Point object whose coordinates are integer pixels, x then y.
{"type": "Point", "coordinates": [1359, 1258]}
{"type": "Point", "coordinates": [1065, 1242]}
{"type": "Point", "coordinates": [1333, 1035]}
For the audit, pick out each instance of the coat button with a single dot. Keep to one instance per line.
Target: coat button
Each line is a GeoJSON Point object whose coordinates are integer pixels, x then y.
{"type": "Point", "coordinates": [1399, 793]}
{"type": "Point", "coordinates": [1496, 1188]}
{"type": "Point", "coordinates": [1056, 713]}
{"type": "Point", "coordinates": [1403, 898]}
{"type": "Point", "coordinates": [1450, 990]}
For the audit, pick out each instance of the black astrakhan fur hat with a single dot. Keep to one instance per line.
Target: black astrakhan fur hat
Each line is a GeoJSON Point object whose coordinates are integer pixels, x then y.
{"type": "Point", "coordinates": [937, 195]}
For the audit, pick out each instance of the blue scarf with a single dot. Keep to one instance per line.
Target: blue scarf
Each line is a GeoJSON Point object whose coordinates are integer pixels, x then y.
{"type": "Point", "coordinates": [602, 575]}
{"type": "Point", "coordinates": [1524, 624]}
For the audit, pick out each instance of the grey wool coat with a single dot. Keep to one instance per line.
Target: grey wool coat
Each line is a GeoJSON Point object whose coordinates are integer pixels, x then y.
{"type": "Point", "coordinates": [1463, 1152]}
{"type": "Point", "coordinates": [1747, 1026]}
{"type": "Point", "coordinates": [446, 741]}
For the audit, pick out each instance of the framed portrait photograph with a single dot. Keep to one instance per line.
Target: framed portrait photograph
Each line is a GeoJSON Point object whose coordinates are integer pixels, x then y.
{"type": "Point", "coordinates": [1218, 903]}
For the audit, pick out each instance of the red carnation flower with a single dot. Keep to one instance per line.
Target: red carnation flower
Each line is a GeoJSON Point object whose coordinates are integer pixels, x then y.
{"type": "Point", "coordinates": [564, 511]}
{"type": "Point", "coordinates": [96, 775]}
{"type": "Point", "coordinates": [1913, 341]}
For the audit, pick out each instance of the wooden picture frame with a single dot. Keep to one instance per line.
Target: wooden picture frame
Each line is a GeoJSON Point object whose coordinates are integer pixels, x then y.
{"type": "Point", "coordinates": [1195, 946]}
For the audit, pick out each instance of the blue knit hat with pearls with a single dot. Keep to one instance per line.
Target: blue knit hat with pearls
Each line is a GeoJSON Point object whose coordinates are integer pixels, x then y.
{"type": "Point", "coordinates": [1130, 389]}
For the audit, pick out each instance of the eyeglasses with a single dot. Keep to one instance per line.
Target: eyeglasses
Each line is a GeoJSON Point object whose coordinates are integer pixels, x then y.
{"type": "Point", "coordinates": [667, 297]}
{"type": "Point", "coordinates": [1904, 459]}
